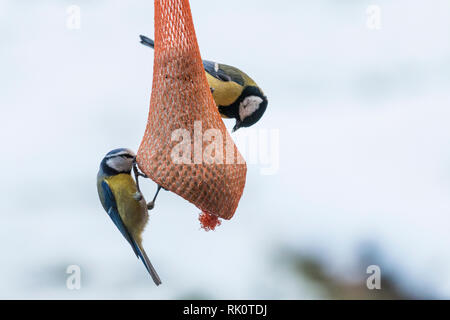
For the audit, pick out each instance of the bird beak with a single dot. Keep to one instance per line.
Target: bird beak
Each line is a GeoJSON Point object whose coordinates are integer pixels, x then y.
{"type": "Point", "coordinates": [237, 126]}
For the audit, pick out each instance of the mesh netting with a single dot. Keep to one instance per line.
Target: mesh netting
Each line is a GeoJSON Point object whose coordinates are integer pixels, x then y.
{"type": "Point", "coordinates": [180, 98]}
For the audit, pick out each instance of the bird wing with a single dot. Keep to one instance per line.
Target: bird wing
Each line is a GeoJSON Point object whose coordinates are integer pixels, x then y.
{"type": "Point", "coordinates": [148, 265]}
{"type": "Point", "coordinates": [113, 212]}
{"type": "Point", "coordinates": [214, 70]}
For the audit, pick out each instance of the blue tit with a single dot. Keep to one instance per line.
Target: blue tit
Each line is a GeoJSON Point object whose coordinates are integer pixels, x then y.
{"type": "Point", "coordinates": [123, 202]}
{"type": "Point", "coordinates": [236, 95]}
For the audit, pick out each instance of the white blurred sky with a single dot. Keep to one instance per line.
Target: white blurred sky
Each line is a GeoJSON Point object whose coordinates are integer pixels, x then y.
{"type": "Point", "coordinates": [364, 146]}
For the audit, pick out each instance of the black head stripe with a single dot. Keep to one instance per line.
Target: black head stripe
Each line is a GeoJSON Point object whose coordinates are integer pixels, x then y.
{"type": "Point", "coordinates": [232, 111]}
{"type": "Point", "coordinates": [127, 155]}
{"type": "Point", "coordinates": [107, 170]}
{"type": "Point", "coordinates": [117, 153]}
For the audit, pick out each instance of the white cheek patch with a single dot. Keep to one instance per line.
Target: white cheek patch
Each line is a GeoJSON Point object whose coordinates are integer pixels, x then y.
{"type": "Point", "coordinates": [249, 106]}
{"type": "Point", "coordinates": [119, 164]}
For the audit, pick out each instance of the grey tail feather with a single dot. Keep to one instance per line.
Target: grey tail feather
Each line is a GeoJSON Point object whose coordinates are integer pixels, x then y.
{"type": "Point", "coordinates": [148, 265]}
{"type": "Point", "coordinates": [147, 42]}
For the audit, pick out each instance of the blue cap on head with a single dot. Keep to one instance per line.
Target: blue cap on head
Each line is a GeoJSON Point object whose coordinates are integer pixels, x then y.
{"type": "Point", "coordinates": [119, 152]}
{"type": "Point", "coordinates": [117, 161]}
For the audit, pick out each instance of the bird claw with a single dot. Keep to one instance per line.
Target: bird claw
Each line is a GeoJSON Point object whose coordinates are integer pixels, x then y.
{"type": "Point", "coordinates": [137, 174]}
{"type": "Point", "coordinates": [138, 196]}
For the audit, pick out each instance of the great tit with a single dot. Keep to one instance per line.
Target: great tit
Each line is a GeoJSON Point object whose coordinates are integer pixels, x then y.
{"type": "Point", "coordinates": [123, 201]}
{"type": "Point", "coordinates": [236, 95]}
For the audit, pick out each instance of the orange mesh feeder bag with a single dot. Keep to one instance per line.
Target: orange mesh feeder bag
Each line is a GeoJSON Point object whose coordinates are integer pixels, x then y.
{"type": "Point", "coordinates": [182, 113]}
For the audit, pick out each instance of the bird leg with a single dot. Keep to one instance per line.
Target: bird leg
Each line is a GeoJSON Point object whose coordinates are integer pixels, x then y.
{"type": "Point", "coordinates": [137, 174]}
{"type": "Point", "coordinates": [151, 204]}
{"type": "Point", "coordinates": [138, 195]}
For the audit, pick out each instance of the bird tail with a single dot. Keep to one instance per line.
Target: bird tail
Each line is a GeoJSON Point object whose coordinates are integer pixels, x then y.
{"type": "Point", "coordinates": [148, 265]}
{"type": "Point", "coordinates": [147, 42]}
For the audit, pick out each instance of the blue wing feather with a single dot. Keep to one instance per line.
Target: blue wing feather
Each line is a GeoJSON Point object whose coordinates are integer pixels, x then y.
{"type": "Point", "coordinates": [148, 265]}
{"type": "Point", "coordinates": [113, 212]}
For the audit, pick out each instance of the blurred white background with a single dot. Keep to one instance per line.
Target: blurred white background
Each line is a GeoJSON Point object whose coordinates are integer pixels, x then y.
{"type": "Point", "coordinates": [363, 117]}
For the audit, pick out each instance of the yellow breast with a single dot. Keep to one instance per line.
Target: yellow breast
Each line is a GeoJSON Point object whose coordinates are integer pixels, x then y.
{"type": "Point", "coordinates": [225, 93]}
{"type": "Point", "coordinates": [133, 212]}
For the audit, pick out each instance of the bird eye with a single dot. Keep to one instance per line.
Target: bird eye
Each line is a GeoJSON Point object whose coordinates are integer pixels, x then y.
{"type": "Point", "coordinates": [127, 156]}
